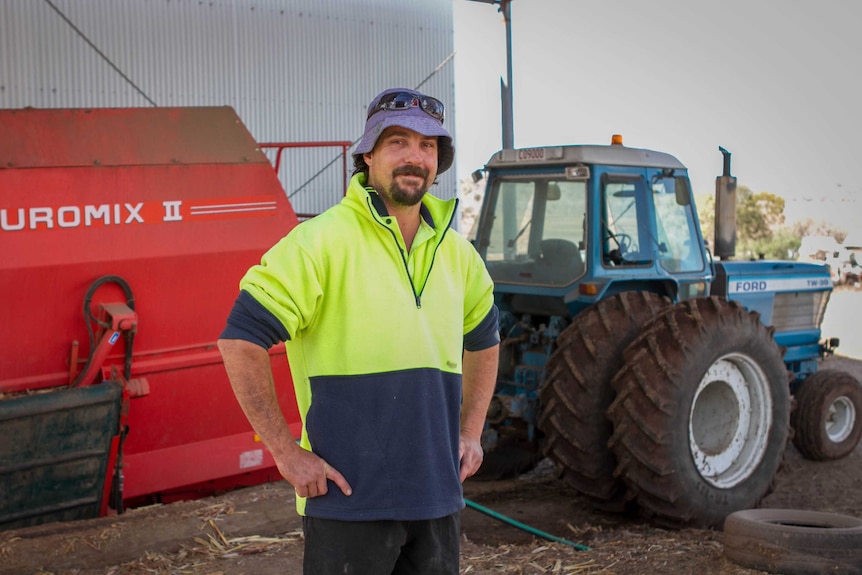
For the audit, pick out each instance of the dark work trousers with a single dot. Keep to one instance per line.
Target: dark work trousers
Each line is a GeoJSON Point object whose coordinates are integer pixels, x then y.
{"type": "Point", "coordinates": [429, 547]}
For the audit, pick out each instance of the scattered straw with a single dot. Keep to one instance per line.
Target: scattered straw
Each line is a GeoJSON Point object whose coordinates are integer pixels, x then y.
{"type": "Point", "coordinates": [217, 545]}
{"type": "Point", "coordinates": [214, 511]}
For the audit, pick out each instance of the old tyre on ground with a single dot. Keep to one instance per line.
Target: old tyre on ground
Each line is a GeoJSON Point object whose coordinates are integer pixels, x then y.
{"type": "Point", "coordinates": [702, 413]}
{"type": "Point", "coordinates": [577, 392]}
{"type": "Point", "coordinates": [828, 415]}
{"type": "Point", "coordinates": [794, 542]}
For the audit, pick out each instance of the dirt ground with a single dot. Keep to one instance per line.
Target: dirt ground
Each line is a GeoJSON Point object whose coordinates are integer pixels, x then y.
{"type": "Point", "coordinates": [254, 531]}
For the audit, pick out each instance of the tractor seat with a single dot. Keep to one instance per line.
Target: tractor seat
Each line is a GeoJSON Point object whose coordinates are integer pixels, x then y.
{"type": "Point", "coordinates": [560, 262]}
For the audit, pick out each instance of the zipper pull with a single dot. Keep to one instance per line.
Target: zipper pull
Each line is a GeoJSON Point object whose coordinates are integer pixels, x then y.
{"type": "Point", "coordinates": [418, 302]}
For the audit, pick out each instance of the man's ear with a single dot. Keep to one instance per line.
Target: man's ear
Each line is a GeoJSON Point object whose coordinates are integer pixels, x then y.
{"type": "Point", "coordinates": [367, 157]}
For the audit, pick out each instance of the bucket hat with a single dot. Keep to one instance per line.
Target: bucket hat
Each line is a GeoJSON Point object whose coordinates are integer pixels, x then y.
{"type": "Point", "coordinates": [412, 110]}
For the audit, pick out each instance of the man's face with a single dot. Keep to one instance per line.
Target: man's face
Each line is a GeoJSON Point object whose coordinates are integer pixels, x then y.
{"type": "Point", "coordinates": [402, 165]}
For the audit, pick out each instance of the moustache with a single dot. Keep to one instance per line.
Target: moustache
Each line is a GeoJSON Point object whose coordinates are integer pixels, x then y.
{"type": "Point", "coordinates": [410, 171]}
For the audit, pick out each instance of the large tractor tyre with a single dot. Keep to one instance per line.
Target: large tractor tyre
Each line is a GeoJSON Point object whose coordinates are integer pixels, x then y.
{"type": "Point", "coordinates": [828, 415]}
{"type": "Point", "coordinates": [702, 413]}
{"type": "Point", "coordinates": [577, 392]}
{"type": "Point", "coordinates": [794, 542]}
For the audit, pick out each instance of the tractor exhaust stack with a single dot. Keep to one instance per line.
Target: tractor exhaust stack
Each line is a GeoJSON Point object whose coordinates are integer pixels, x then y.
{"type": "Point", "coordinates": [725, 211]}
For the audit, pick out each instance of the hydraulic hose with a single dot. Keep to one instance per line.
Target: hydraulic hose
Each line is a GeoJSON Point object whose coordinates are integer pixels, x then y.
{"type": "Point", "coordinates": [116, 493]}
{"type": "Point", "coordinates": [89, 319]}
{"type": "Point", "coordinates": [524, 527]}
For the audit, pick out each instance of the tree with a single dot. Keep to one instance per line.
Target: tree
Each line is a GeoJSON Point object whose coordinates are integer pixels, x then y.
{"type": "Point", "coordinates": [759, 215]}
{"type": "Point", "coordinates": [706, 215]}
{"type": "Point", "coordinates": [760, 229]}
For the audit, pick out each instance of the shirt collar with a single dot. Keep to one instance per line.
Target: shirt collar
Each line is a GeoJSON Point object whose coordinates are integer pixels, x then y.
{"type": "Point", "coordinates": [380, 206]}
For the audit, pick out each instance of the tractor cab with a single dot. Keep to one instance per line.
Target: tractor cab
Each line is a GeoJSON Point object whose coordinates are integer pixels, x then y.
{"type": "Point", "coordinates": [563, 227]}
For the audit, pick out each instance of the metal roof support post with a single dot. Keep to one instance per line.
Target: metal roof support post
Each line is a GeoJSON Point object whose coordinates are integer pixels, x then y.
{"type": "Point", "coordinates": [507, 108]}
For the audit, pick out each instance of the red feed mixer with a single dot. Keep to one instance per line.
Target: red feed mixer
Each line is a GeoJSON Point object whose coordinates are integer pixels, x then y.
{"type": "Point", "coordinates": [123, 236]}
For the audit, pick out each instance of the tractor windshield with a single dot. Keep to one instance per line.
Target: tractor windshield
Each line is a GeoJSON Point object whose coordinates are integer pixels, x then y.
{"type": "Point", "coordinates": [536, 231]}
{"type": "Point", "coordinates": [631, 238]}
{"type": "Point", "coordinates": [677, 236]}
{"type": "Point", "coordinates": [625, 224]}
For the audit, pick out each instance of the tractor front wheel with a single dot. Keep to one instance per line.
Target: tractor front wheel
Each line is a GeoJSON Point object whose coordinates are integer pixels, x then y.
{"type": "Point", "coordinates": [702, 412]}
{"type": "Point", "coordinates": [828, 415]}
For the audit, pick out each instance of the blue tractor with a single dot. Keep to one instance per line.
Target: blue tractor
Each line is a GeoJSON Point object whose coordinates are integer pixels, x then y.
{"type": "Point", "coordinates": [655, 374]}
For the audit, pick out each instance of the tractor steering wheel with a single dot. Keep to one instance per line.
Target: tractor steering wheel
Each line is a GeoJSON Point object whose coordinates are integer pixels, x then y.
{"type": "Point", "coordinates": [624, 241]}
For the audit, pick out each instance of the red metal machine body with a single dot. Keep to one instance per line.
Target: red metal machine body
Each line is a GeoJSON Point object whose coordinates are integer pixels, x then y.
{"type": "Point", "coordinates": [175, 203]}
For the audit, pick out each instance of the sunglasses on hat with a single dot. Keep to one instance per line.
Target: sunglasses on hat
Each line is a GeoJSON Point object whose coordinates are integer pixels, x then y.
{"type": "Point", "coordinates": [405, 100]}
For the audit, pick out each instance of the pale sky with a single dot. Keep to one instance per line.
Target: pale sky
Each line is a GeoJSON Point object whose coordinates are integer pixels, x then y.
{"type": "Point", "coordinates": [776, 83]}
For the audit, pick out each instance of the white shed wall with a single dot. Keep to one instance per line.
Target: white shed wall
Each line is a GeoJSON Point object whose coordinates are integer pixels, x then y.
{"type": "Point", "coordinates": [294, 70]}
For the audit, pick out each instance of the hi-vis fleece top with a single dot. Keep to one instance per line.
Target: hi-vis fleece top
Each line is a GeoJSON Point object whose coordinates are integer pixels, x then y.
{"type": "Point", "coordinates": [375, 337]}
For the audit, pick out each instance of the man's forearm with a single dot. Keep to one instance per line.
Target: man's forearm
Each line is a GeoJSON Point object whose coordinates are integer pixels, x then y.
{"type": "Point", "coordinates": [250, 373]}
{"type": "Point", "coordinates": [480, 378]}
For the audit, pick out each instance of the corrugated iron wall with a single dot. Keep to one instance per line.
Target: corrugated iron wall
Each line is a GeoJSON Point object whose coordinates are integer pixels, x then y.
{"type": "Point", "coordinates": [295, 70]}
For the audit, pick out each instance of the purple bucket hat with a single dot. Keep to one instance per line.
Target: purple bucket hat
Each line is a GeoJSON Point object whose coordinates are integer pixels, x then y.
{"type": "Point", "coordinates": [412, 116]}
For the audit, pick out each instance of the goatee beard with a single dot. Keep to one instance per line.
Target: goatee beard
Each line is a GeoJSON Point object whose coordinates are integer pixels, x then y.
{"type": "Point", "coordinates": [403, 196]}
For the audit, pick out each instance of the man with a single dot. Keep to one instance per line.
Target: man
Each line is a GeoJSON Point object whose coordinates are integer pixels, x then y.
{"type": "Point", "coordinates": [391, 331]}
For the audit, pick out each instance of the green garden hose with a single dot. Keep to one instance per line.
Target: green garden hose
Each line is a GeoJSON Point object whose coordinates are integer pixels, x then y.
{"type": "Point", "coordinates": [527, 528]}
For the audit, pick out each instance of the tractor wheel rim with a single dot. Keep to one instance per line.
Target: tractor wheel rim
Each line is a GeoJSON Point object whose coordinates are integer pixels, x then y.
{"type": "Point", "coordinates": [840, 419]}
{"type": "Point", "coordinates": [730, 419]}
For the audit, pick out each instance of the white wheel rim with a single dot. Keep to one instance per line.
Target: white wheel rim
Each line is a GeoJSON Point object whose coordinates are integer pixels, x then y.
{"type": "Point", "coordinates": [840, 419]}
{"type": "Point", "coordinates": [729, 421]}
